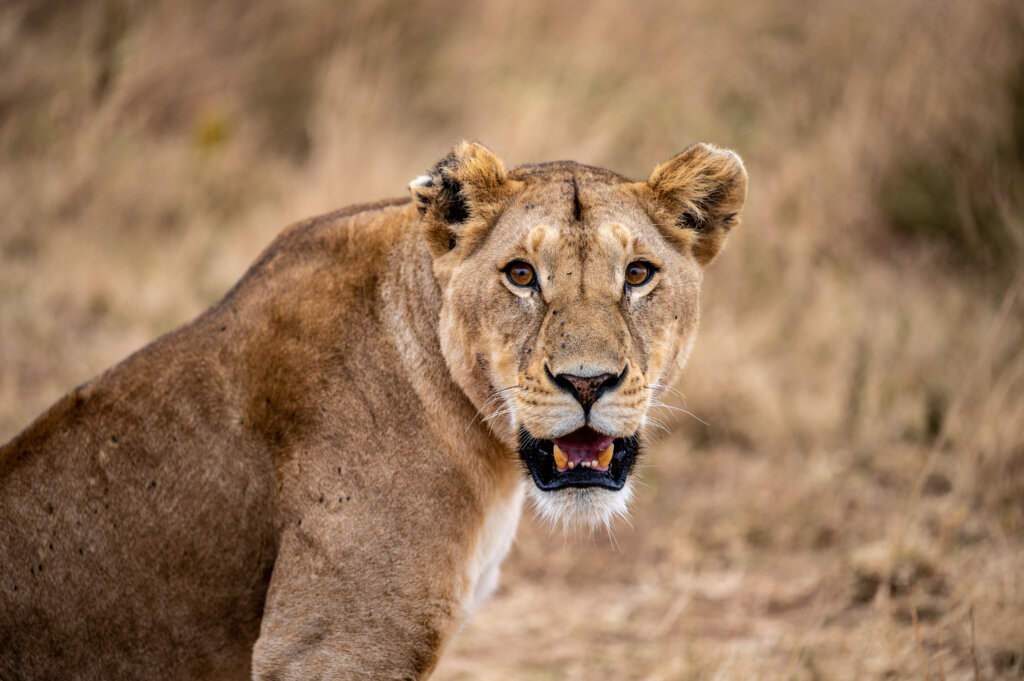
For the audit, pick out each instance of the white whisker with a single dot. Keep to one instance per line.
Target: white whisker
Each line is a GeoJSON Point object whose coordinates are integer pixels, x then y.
{"type": "Point", "coordinates": [494, 395]}
{"type": "Point", "coordinates": [679, 409]}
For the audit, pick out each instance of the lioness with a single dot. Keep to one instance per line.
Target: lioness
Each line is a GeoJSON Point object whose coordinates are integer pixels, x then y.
{"type": "Point", "coordinates": [319, 477]}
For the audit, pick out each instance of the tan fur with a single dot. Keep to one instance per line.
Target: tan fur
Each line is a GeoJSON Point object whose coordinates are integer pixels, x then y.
{"type": "Point", "coordinates": [316, 478]}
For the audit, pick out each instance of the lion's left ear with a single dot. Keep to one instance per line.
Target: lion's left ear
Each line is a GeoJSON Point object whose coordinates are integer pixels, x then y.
{"type": "Point", "coordinates": [460, 197]}
{"type": "Point", "coordinates": [697, 198]}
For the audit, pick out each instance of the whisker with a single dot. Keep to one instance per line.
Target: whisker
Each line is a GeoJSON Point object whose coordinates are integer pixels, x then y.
{"type": "Point", "coordinates": [505, 390]}
{"type": "Point", "coordinates": [655, 387]}
{"type": "Point", "coordinates": [679, 409]}
{"type": "Point", "coordinates": [496, 414]}
{"type": "Point", "coordinates": [657, 424]}
{"type": "Point", "coordinates": [493, 395]}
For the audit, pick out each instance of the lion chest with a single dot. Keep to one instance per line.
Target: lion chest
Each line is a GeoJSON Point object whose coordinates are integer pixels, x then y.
{"type": "Point", "coordinates": [493, 543]}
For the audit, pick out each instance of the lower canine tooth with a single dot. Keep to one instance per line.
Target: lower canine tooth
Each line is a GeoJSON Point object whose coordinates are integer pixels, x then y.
{"type": "Point", "coordinates": [561, 460]}
{"type": "Point", "coordinates": [605, 457]}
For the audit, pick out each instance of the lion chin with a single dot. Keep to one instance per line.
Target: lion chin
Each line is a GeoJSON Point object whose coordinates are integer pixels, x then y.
{"type": "Point", "coordinates": [581, 509]}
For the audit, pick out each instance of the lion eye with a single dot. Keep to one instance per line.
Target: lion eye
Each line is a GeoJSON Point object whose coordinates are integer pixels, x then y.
{"type": "Point", "coordinates": [520, 274]}
{"type": "Point", "coordinates": [639, 273]}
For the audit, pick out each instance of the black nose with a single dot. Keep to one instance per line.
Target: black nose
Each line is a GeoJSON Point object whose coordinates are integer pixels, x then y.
{"type": "Point", "coordinates": [587, 389]}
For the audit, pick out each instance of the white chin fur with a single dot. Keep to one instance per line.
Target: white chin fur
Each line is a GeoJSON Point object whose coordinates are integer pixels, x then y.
{"type": "Point", "coordinates": [581, 509]}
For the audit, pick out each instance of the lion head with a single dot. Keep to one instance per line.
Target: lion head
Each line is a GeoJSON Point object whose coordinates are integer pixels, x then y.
{"type": "Point", "coordinates": [570, 298]}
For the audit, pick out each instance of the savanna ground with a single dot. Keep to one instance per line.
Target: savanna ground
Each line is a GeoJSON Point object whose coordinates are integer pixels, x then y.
{"type": "Point", "coordinates": [859, 462]}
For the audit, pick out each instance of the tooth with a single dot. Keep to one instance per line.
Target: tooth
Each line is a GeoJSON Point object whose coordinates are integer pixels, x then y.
{"type": "Point", "coordinates": [572, 464]}
{"type": "Point", "coordinates": [561, 460]}
{"type": "Point", "coordinates": [605, 457]}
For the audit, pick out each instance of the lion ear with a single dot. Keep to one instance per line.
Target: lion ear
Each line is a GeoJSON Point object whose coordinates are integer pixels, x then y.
{"type": "Point", "coordinates": [698, 196]}
{"type": "Point", "coordinates": [460, 197]}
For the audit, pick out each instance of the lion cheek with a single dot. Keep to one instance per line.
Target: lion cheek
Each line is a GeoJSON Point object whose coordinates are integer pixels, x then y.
{"type": "Point", "coordinates": [467, 366]}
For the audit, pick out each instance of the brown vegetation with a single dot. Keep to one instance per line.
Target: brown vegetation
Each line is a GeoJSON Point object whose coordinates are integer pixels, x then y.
{"type": "Point", "coordinates": [860, 366]}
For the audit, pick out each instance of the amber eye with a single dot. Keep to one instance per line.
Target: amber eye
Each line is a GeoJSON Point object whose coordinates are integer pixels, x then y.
{"type": "Point", "coordinates": [639, 273]}
{"type": "Point", "coordinates": [520, 274]}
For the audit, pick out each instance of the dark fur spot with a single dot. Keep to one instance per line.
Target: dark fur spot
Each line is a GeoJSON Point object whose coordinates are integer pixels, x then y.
{"type": "Point", "coordinates": [321, 498]}
{"type": "Point", "coordinates": [455, 208]}
{"type": "Point", "coordinates": [113, 438]}
{"type": "Point", "coordinates": [687, 221]}
{"type": "Point", "coordinates": [577, 207]}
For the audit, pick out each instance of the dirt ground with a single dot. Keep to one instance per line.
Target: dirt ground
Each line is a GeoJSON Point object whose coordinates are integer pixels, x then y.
{"type": "Point", "coordinates": [855, 459]}
{"type": "Point", "coordinates": [743, 564]}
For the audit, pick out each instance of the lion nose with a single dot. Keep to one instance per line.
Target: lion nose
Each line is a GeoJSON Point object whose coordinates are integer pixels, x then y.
{"type": "Point", "coordinates": [586, 389]}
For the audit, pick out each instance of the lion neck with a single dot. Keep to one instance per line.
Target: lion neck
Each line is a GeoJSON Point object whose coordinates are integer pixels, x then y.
{"type": "Point", "coordinates": [410, 304]}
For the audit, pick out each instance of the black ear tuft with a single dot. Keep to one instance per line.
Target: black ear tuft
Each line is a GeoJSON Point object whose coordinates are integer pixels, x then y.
{"type": "Point", "coordinates": [688, 220]}
{"type": "Point", "coordinates": [460, 197]}
{"type": "Point", "coordinates": [455, 208]}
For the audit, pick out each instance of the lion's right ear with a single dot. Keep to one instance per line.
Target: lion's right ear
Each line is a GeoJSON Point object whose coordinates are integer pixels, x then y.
{"type": "Point", "coordinates": [460, 197]}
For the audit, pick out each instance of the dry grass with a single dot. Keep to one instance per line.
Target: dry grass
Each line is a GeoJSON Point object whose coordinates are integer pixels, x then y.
{"type": "Point", "coordinates": [860, 363]}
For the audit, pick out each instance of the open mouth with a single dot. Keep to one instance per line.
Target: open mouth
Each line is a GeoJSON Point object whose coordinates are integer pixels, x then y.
{"type": "Point", "coordinates": [583, 458]}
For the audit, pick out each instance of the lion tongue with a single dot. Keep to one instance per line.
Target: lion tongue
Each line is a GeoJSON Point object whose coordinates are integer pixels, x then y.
{"type": "Point", "coordinates": [583, 447]}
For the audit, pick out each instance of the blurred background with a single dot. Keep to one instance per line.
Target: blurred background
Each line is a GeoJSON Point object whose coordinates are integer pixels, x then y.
{"type": "Point", "coordinates": [850, 504]}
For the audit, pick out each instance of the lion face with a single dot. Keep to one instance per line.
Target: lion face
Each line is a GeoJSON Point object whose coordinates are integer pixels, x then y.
{"type": "Point", "coordinates": [570, 299]}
